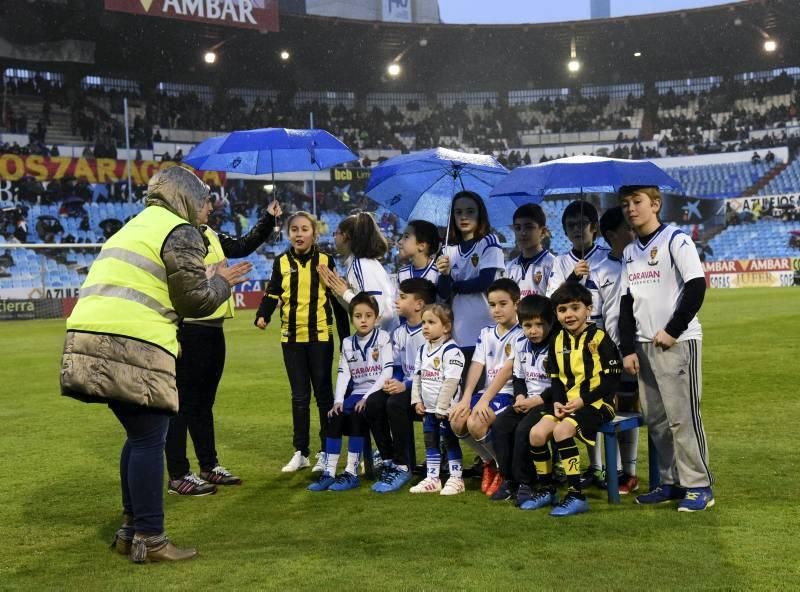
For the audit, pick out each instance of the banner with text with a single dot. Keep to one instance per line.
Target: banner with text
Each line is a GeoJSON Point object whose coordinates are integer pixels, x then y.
{"type": "Point", "coordinates": [780, 201]}
{"type": "Point", "coordinates": [249, 14]}
{"type": "Point", "coordinates": [752, 273]}
{"type": "Point", "coordinates": [101, 170]}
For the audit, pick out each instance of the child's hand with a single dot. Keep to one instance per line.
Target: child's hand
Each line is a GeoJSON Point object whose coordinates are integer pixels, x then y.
{"type": "Point", "coordinates": [335, 410]}
{"type": "Point", "coordinates": [443, 265]}
{"type": "Point", "coordinates": [631, 364]}
{"type": "Point", "coordinates": [332, 280]}
{"type": "Point", "coordinates": [393, 387]}
{"type": "Point", "coordinates": [461, 410]}
{"type": "Point", "coordinates": [483, 412]}
{"type": "Point", "coordinates": [519, 402]}
{"type": "Point", "coordinates": [663, 340]}
{"type": "Point", "coordinates": [361, 406]}
{"type": "Point", "coordinates": [558, 410]}
{"type": "Point", "coordinates": [573, 405]}
{"type": "Point", "coordinates": [261, 323]}
{"type": "Point", "coordinates": [440, 415]}
{"type": "Point", "coordinates": [420, 409]}
{"type": "Point", "coordinates": [582, 268]}
{"type": "Point", "coordinates": [274, 209]}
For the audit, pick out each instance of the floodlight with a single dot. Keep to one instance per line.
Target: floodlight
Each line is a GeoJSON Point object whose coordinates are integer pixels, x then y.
{"type": "Point", "coordinates": [770, 45]}
{"type": "Point", "coordinates": [393, 70]}
{"type": "Point", "coordinates": [210, 57]}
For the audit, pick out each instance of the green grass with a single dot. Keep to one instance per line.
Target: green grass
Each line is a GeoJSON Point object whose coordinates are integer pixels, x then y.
{"type": "Point", "coordinates": [59, 501]}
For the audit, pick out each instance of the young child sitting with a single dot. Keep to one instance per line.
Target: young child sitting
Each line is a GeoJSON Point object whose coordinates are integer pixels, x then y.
{"type": "Point", "coordinates": [364, 366]}
{"type": "Point", "coordinates": [436, 377]}
{"type": "Point", "coordinates": [585, 368]}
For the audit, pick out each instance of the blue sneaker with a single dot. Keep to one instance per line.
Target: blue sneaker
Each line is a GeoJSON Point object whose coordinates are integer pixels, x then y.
{"type": "Point", "coordinates": [571, 505]}
{"type": "Point", "coordinates": [323, 484]}
{"type": "Point", "coordinates": [540, 499]}
{"type": "Point", "coordinates": [697, 499]}
{"type": "Point", "coordinates": [392, 481]}
{"type": "Point", "coordinates": [344, 482]}
{"type": "Point", "coordinates": [661, 495]}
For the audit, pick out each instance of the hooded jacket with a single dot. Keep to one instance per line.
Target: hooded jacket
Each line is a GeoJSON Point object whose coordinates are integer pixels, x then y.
{"type": "Point", "coordinates": [98, 367]}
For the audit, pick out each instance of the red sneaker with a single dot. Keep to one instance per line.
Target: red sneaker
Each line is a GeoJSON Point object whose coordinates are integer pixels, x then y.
{"type": "Point", "coordinates": [489, 473]}
{"type": "Point", "coordinates": [496, 483]}
{"type": "Point", "coordinates": [628, 484]}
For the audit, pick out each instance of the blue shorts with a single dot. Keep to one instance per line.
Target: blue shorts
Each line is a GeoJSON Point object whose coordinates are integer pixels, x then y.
{"type": "Point", "coordinates": [498, 404]}
{"type": "Point", "coordinates": [349, 403]}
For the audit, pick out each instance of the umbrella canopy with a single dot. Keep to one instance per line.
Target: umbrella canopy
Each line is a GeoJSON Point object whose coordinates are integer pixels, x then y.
{"type": "Point", "coordinates": [421, 186]}
{"type": "Point", "coordinates": [269, 151]}
{"type": "Point", "coordinates": [581, 174]}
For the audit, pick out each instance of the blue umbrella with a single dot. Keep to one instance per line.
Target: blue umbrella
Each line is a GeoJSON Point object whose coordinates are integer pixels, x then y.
{"type": "Point", "coordinates": [581, 174]}
{"type": "Point", "coordinates": [420, 186]}
{"type": "Point", "coordinates": [270, 150]}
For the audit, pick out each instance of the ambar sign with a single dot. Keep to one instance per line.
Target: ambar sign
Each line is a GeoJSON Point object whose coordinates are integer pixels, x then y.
{"type": "Point", "coordinates": [251, 14]}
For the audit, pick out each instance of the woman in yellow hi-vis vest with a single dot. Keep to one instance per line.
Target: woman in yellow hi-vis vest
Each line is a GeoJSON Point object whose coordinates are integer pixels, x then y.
{"type": "Point", "coordinates": [122, 342]}
{"type": "Point", "coordinates": [199, 370]}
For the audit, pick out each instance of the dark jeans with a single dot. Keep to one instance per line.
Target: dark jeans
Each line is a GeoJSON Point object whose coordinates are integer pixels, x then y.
{"type": "Point", "coordinates": [391, 421]}
{"type": "Point", "coordinates": [198, 372]}
{"type": "Point", "coordinates": [141, 465]}
{"type": "Point", "coordinates": [307, 365]}
{"type": "Point", "coordinates": [511, 432]}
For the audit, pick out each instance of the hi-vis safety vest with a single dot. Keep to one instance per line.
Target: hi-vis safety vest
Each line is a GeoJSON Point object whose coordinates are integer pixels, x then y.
{"type": "Point", "coordinates": [215, 257]}
{"type": "Point", "coordinates": [126, 291]}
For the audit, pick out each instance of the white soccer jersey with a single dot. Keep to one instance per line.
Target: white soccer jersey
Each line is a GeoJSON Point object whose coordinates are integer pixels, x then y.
{"type": "Point", "coordinates": [406, 341]}
{"type": "Point", "coordinates": [364, 364]}
{"type": "Point", "coordinates": [471, 311]}
{"type": "Point", "coordinates": [654, 274]}
{"type": "Point", "coordinates": [368, 275]}
{"type": "Point", "coordinates": [533, 277]}
{"type": "Point", "coordinates": [429, 272]}
{"type": "Point", "coordinates": [530, 361]}
{"type": "Point", "coordinates": [564, 265]}
{"type": "Point", "coordinates": [434, 365]}
{"type": "Point", "coordinates": [608, 277]}
{"type": "Point", "coordinates": [494, 351]}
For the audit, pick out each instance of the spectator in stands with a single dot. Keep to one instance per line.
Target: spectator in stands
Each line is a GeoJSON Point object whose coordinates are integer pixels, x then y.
{"type": "Point", "coordinates": [121, 352]}
{"type": "Point", "coordinates": [756, 158]}
{"type": "Point", "coordinates": [769, 158]}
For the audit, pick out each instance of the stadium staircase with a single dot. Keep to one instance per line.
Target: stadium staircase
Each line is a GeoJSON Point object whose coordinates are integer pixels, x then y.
{"type": "Point", "coordinates": [59, 130]}
{"type": "Point", "coordinates": [763, 181]}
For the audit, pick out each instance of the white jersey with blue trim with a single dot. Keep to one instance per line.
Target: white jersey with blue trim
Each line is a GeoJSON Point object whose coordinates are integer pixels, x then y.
{"type": "Point", "coordinates": [608, 277]}
{"type": "Point", "coordinates": [471, 311]}
{"type": "Point", "coordinates": [564, 265]}
{"type": "Point", "coordinates": [530, 364]}
{"type": "Point", "coordinates": [531, 277]}
{"type": "Point", "coordinates": [406, 341]}
{"type": "Point", "coordinates": [655, 274]}
{"type": "Point", "coordinates": [364, 364]}
{"type": "Point", "coordinates": [493, 351]}
{"type": "Point", "coordinates": [434, 365]}
{"type": "Point", "coordinates": [430, 272]}
{"type": "Point", "coordinates": [368, 275]}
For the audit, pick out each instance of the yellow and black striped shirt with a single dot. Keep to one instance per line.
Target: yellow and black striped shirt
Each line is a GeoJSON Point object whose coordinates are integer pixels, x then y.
{"type": "Point", "coordinates": [586, 365]}
{"type": "Point", "coordinates": [305, 302]}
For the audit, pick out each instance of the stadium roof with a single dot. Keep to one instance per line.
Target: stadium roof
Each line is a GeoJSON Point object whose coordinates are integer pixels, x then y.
{"type": "Point", "coordinates": [338, 54]}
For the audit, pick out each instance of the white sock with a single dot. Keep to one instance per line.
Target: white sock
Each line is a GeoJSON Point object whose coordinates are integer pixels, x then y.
{"type": "Point", "coordinates": [479, 449]}
{"type": "Point", "coordinates": [331, 460]}
{"type": "Point", "coordinates": [629, 450]}
{"type": "Point", "coordinates": [595, 457]}
{"type": "Point", "coordinates": [353, 460]}
{"type": "Point", "coordinates": [455, 467]}
{"type": "Point", "coordinates": [488, 444]}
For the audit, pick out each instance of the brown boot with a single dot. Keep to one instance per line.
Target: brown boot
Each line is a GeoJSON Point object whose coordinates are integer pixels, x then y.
{"type": "Point", "coordinates": [157, 548]}
{"type": "Point", "coordinates": [124, 535]}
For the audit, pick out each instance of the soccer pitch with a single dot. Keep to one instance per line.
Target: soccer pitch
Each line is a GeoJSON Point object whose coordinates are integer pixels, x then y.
{"type": "Point", "coordinates": [60, 506]}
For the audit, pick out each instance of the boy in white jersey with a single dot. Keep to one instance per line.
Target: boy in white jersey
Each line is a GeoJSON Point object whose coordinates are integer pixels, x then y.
{"type": "Point", "coordinates": [364, 366]}
{"type": "Point", "coordinates": [419, 245]}
{"type": "Point", "coordinates": [436, 377]}
{"type": "Point", "coordinates": [389, 411]}
{"type": "Point", "coordinates": [493, 360]}
{"type": "Point", "coordinates": [618, 235]}
{"type": "Point", "coordinates": [532, 269]}
{"type": "Point", "coordinates": [530, 379]}
{"type": "Point", "coordinates": [663, 285]}
{"type": "Point", "coordinates": [580, 264]}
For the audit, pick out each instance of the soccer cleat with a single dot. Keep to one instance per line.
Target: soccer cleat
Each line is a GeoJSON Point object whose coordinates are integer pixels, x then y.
{"type": "Point", "coordinates": [392, 480]}
{"type": "Point", "coordinates": [297, 462]}
{"type": "Point", "coordinates": [191, 484]}
{"type": "Point", "coordinates": [596, 477]}
{"type": "Point", "coordinates": [494, 485]}
{"type": "Point", "coordinates": [628, 484]}
{"type": "Point", "coordinates": [540, 499]}
{"type": "Point", "coordinates": [454, 486]}
{"type": "Point", "coordinates": [345, 482]}
{"type": "Point", "coordinates": [323, 484]}
{"type": "Point", "coordinates": [697, 499]}
{"type": "Point", "coordinates": [661, 495]}
{"type": "Point", "coordinates": [219, 475]}
{"type": "Point", "coordinates": [319, 466]}
{"type": "Point", "coordinates": [489, 474]}
{"type": "Point", "coordinates": [427, 485]}
{"type": "Point", "coordinates": [524, 493]}
{"type": "Point", "coordinates": [503, 491]}
{"type": "Point", "coordinates": [570, 506]}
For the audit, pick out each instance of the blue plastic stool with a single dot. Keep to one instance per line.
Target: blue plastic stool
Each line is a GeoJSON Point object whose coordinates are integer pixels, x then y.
{"type": "Point", "coordinates": [622, 423]}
